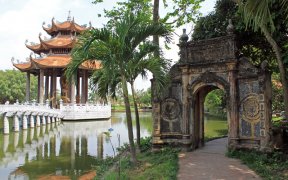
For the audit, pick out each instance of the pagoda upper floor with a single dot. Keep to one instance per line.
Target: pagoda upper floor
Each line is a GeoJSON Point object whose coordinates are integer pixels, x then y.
{"type": "Point", "coordinates": [63, 37]}
{"type": "Point", "coordinates": [68, 27]}
{"type": "Point", "coordinates": [54, 52]}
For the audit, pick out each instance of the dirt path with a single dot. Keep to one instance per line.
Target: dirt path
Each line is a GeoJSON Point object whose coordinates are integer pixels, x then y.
{"type": "Point", "coordinates": [210, 162]}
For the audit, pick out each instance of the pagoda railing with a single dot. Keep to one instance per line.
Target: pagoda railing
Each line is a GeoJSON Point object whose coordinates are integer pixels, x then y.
{"type": "Point", "coordinates": [87, 111]}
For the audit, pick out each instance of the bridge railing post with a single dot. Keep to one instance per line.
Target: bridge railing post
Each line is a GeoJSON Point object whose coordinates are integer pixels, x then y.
{"type": "Point", "coordinates": [24, 126]}
{"type": "Point", "coordinates": [16, 123]}
{"type": "Point", "coordinates": [6, 125]}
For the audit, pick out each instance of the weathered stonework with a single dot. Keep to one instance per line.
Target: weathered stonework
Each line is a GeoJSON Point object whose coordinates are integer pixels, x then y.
{"type": "Point", "coordinates": [206, 65]}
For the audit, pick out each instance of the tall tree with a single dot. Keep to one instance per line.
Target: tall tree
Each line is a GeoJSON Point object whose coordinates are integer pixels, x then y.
{"type": "Point", "coordinates": [13, 85]}
{"type": "Point", "coordinates": [115, 47]}
{"type": "Point", "coordinates": [141, 8]}
{"type": "Point", "coordinates": [140, 64]}
{"type": "Point", "coordinates": [260, 15]}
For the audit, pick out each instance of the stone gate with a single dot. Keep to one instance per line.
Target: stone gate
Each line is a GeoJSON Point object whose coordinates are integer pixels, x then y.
{"type": "Point", "coordinates": [205, 65]}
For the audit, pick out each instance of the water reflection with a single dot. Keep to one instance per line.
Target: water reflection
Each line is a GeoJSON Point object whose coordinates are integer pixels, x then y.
{"type": "Point", "coordinates": [71, 149]}
{"type": "Point", "coordinates": [67, 151]}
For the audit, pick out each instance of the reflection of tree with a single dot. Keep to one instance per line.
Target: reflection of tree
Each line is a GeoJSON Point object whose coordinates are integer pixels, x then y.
{"type": "Point", "coordinates": [145, 120]}
{"type": "Point", "coordinates": [70, 161]}
{"type": "Point", "coordinates": [100, 146]}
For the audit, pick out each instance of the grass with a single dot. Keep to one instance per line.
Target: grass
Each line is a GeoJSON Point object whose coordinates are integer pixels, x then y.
{"type": "Point", "coordinates": [160, 165]}
{"type": "Point", "coordinates": [268, 166]}
{"type": "Point", "coordinates": [120, 108]}
{"type": "Point", "coordinates": [151, 165]}
{"type": "Point", "coordinates": [215, 129]}
{"type": "Point", "coordinates": [278, 122]}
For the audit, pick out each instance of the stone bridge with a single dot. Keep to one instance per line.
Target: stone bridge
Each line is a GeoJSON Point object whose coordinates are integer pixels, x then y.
{"type": "Point", "coordinates": [28, 115]}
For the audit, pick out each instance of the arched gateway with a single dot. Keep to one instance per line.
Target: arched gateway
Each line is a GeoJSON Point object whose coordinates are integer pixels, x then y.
{"type": "Point", "coordinates": [204, 66]}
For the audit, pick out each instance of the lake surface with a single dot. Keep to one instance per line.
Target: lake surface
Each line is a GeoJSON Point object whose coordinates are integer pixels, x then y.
{"type": "Point", "coordinates": [71, 149]}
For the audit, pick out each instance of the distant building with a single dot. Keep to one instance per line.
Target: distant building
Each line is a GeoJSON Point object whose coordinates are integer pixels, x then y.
{"type": "Point", "coordinates": [51, 57]}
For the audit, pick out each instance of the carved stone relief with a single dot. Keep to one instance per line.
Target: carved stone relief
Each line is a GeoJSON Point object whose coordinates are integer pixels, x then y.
{"type": "Point", "coordinates": [170, 112]}
{"type": "Point", "coordinates": [250, 116]}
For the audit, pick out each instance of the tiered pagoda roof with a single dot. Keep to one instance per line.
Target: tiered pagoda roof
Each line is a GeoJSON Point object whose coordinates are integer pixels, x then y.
{"type": "Point", "coordinates": [55, 61]}
{"type": "Point", "coordinates": [59, 41]}
{"type": "Point", "coordinates": [64, 26]}
{"type": "Point", "coordinates": [55, 52]}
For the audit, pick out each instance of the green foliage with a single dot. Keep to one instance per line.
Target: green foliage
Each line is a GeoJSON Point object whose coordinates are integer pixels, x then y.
{"type": "Point", "coordinates": [215, 128]}
{"type": "Point", "coordinates": [277, 93]}
{"type": "Point", "coordinates": [145, 144]}
{"type": "Point", "coordinates": [182, 11]}
{"type": "Point", "coordinates": [116, 48]}
{"type": "Point", "coordinates": [144, 97]}
{"type": "Point", "coordinates": [250, 43]}
{"type": "Point", "coordinates": [103, 165]}
{"type": "Point", "coordinates": [151, 165]}
{"type": "Point", "coordinates": [215, 23]}
{"type": "Point", "coordinates": [215, 102]}
{"type": "Point", "coordinates": [13, 86]}
{"type": "Point", "coordinates": [139, 8]}
{"type": "Point", "coordinates": [269, 166]}
{"type": "Point", "coordinates": [278, 122]}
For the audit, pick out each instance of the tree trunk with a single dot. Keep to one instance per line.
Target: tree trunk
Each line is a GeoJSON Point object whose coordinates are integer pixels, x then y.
{"type": "Point", "coordinates": [155, 20]}
{"type": "Point", "coordinates": [136, 114]}
{"type": "Point", "coordinates": [156, 42]}
{"type": "Point", "coordinates": [278, 54]}
{"type": "Point", "coordinates": [129, 119]}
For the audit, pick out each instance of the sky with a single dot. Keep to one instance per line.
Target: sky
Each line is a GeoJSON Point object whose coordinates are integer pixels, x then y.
{"type": "Point", "coordinates": [22, 20]}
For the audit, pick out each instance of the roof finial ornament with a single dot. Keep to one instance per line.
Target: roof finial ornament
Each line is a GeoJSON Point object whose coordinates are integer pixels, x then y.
{"type": "Point", "coordinates": [43, 23]}
{"type": "Point", "coordinates": [90, 24]}
{"type": "Point", "coordinates": [26, 41]}
{"type": "Point", "coordinates": [69, 16]}
{"type": "Point", "coordinates": [12, 60]}
{"type": "Point", "coordinates": [230, 28]}
{"type": "Point", "coordinates": [184, 37]}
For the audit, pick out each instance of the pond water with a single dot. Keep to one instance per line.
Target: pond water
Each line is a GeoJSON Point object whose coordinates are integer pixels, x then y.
{"type": "Point", "coordinates": [71, 149]}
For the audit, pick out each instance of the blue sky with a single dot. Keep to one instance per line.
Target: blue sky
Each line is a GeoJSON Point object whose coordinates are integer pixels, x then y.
{"type": "Point", "coordinates": [22, 20]}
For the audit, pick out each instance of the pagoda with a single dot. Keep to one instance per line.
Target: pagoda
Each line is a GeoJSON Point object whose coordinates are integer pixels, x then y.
{"type": "Point", "coordinates": [51, 57]}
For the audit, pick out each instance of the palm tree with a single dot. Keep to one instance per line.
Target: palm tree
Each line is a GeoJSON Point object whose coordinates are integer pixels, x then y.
{"type": "Point", "coordinates": [115, 48]}
{"type": "Point", "coordinates": [140, 64]}
{"type": "Point", "coordinates": [105, 82]}
{"type": "Point", "coordinates": [258, 15]}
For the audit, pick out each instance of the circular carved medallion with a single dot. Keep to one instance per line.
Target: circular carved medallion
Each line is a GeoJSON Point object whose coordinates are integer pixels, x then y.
{"type": "Point", "coordinates": [170, 110]}
{"type": "Point", "coordinates": [250, 108]}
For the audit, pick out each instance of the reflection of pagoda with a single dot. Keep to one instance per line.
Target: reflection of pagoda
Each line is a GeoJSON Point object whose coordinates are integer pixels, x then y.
{"type": "Point", "coordinates": [53, 57]}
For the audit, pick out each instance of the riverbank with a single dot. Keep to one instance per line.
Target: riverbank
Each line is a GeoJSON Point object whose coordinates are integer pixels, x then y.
{"type": "Point", "coordinates": [121, 108]}
{"type": "Point", "coordinates": [151, 165]}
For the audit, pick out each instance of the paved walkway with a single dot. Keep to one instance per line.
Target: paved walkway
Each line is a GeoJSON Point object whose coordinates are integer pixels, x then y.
{"type": "Point", "coordinates": [210, 162]}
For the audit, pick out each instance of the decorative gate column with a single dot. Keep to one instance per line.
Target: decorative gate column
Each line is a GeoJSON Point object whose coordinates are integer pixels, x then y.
{"type": "Point", "coordinates": [232, 116]}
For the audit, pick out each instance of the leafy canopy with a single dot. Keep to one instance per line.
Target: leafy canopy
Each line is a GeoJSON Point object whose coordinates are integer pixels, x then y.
{"type": "Point", "coordinates": [13, 86]}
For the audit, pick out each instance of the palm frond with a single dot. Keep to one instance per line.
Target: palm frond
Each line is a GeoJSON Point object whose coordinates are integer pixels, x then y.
{"type": "Point", "coordinates": [257, 13]}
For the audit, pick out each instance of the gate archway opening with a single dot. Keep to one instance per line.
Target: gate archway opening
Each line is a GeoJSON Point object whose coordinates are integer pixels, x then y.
{"type": "Point", "coordinates": [206, 114]}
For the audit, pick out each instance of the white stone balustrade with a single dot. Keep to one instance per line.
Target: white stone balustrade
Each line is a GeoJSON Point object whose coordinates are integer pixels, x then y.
{"type": "Point", "coordinates": [85, 111]}
{"type": "Point", "coordinates": [26, 111]}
